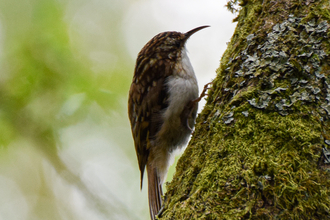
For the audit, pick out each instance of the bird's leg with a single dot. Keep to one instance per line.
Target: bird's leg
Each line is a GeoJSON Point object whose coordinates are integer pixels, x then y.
{"type": "Point", "coordinates": [206, 87]}
{"type": "Point", "coordinates": [187, 111]}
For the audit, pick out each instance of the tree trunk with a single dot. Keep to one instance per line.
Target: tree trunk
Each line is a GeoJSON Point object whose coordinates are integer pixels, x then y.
{"type": "Point", "coordinates": [259, 150]}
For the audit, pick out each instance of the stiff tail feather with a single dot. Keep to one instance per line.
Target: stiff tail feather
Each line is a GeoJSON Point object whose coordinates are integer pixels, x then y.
{"type": "Point", "coordinates": [155, 192]}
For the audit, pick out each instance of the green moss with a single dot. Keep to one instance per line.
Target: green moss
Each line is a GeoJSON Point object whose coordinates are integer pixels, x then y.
{"type": "Point", "coordinates": [256, 152]}
{"type": "Point", "coordinates": [261, 160]}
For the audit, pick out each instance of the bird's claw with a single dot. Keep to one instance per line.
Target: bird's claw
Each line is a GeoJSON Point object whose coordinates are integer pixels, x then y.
{"type": "Point", "coordinates": [203, 93]}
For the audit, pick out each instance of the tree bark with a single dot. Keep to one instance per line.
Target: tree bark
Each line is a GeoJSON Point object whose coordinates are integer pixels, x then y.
{"type": "Point", "coordinates": [260, 148]}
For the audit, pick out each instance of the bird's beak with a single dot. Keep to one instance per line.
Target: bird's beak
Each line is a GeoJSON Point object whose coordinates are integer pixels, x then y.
{"type": "Point", "coordinates": [189, 33]}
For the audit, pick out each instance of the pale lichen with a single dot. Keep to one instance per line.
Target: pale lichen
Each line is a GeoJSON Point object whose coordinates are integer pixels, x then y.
{"type": "Point", "coordinates": [260, 149]}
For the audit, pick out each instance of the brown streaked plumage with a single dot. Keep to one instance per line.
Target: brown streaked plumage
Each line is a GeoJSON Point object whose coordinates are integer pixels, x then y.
{"type": "Point", "coordinates": [162, 107]}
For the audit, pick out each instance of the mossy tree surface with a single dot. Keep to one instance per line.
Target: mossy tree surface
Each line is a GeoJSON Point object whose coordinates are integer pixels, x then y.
{"type": "Point", "coordinates": [260, 149]}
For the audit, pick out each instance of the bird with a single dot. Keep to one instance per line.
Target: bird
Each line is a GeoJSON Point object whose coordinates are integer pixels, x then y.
{"type": "Point", "coordinates": [162, 107]}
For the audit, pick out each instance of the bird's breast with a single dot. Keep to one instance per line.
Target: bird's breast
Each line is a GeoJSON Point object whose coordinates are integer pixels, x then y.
{"type": "Point", "coordinates": [182, 88]}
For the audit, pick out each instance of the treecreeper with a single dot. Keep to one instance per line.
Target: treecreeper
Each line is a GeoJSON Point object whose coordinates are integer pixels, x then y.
{"type": "Point", "coordinates": [162, 107]}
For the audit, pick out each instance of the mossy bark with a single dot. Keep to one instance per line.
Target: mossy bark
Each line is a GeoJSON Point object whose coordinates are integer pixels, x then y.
{"type": "Point", "coordinates": [260, 148]}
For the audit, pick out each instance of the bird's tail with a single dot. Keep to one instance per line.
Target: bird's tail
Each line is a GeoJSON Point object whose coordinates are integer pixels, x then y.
{"type": "Point", "coordinates": [155, 191]}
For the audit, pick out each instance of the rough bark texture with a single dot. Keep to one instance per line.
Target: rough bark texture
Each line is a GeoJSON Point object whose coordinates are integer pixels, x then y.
{"type": "Point", "coordinates": [260, 146]}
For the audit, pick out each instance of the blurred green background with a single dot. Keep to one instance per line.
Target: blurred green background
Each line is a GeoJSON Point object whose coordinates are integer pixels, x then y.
{"type": "Point", "coordinates": [66, 150]}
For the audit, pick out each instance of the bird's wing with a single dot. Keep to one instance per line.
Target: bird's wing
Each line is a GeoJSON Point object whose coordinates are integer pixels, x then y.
{"type": "Point", "coordinates": [147, 99]}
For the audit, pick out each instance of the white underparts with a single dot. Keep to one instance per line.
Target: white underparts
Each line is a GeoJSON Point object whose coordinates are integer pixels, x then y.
{"type": "Point", "coordinates": [173, 135]}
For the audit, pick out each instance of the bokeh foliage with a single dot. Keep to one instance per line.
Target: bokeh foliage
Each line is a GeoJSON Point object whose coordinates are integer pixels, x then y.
{"type": "Point", "coordinates": [48, 83]}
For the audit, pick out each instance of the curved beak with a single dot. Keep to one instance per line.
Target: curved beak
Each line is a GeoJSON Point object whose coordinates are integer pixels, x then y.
{"type": "Point", "coordinates": [189, 33]}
